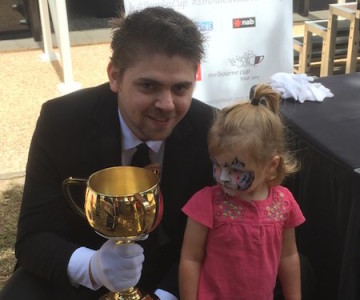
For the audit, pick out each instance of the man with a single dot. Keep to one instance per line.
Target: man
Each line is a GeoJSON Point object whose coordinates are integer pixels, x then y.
{"type": "Point", "coordinates": [155, 54]}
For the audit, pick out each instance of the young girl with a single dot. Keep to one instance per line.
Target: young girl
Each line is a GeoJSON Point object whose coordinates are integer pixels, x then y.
{"type": "Point", "coordinates": [240, 233]}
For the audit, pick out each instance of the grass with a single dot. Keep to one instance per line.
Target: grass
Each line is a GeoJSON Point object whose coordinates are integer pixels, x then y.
{"type": "Point", "coordinates": [10, 199]}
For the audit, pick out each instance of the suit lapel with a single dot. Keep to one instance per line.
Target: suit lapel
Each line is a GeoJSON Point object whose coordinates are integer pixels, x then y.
{"type": "Point", "coordinates": [104, 140]}
{"type": "Point", "coordinates": [178, 157]}
{"type": "Point", "coordinates": [178, 164]}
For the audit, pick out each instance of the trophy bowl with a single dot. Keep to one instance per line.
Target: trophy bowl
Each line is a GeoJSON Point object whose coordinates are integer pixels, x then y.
{"type": "Point", "coordinates": [121, 203]}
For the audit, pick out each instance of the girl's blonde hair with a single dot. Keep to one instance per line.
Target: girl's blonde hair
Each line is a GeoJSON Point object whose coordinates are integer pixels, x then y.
{"type": "Point", "coordinates": [254, 127]}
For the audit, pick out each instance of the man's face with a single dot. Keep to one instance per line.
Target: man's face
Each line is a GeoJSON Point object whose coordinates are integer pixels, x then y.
{"type": "Point", "coordinates": [154, 94]}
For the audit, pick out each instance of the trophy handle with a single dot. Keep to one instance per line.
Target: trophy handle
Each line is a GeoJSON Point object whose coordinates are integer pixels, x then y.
{"type": "Point", "coordinates": [69, 197]}
{"type": "Point", "coordinates": [146, 208]}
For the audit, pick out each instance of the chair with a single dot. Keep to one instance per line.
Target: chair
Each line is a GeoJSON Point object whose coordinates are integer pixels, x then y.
{"type": "Point", "coordinates": [311, 46]}
{"type": "Point", "coordinates": [348, 11]}
{"type": "Point", "coordinates": [328, 41]}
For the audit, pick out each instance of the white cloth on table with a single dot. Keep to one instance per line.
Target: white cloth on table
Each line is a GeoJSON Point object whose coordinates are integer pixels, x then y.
{"type": "Point", "coordinates": [300, 87]}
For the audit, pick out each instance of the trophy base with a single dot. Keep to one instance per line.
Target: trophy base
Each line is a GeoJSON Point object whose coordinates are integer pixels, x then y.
{"type": "Point", "coordinates": [130, 294]}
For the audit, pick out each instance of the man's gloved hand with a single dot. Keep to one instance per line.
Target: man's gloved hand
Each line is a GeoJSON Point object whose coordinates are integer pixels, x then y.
{"type": "Point", "coordinates": [117, 267]}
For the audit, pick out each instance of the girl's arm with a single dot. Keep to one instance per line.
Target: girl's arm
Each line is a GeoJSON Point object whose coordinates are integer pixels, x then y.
{"type": "Point", "coordinates": [289, 268]}
{"type": "Point", "coordinates": [192, 254]}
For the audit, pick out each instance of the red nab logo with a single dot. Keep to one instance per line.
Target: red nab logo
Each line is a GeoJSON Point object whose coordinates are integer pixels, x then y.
{"type": "Point", "coordinates": [198, 74]}
{"type": "Point", "coordinates": [244, 22]}
{"type": "Point", "coordinates": [236, 23]}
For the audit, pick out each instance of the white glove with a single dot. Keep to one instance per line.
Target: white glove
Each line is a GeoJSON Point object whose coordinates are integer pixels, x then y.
{"type": "Point", "coordinates": [117, 267]}
{"type": "Point", "coordinates": [299, 87]}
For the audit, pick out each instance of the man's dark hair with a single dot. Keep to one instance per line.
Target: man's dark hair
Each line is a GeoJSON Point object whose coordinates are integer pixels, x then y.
{"type": "Point", "coordinates": [154, 30]}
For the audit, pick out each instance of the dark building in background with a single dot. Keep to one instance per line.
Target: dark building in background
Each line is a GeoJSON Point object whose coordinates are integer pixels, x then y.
{"type": "Point", "coordinates": [21, 18]}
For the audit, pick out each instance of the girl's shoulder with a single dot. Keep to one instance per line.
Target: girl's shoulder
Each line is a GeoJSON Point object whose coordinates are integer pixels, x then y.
{"type": "Point", "coordinates": [284, 202]}
{"type": "Point", "coordinates": [281, 197]}
{"type": "Point", "coordinates": [207, 192]}
{"type": "Point", "coordinates": [282, 192]}
{"type": "Point", "coordinates": [200, 206]}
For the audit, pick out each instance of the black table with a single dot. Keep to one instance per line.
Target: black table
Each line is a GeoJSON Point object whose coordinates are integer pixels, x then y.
{"type": "Point", "coordinates": [326, 136]}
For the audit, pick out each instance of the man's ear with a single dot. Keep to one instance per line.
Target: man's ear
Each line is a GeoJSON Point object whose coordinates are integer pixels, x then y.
{"type": "Point", "coordinates": [113, 75]}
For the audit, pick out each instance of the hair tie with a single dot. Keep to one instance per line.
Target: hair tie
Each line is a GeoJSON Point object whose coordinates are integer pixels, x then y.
{"type": "Point", "coordinates": [252, 92]}
{"type": "Point", "coordinates": [257, 101]}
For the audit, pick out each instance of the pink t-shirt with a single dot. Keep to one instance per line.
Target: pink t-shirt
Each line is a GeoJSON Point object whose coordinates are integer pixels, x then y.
{"type": "Point", "coordinates": [244, 241]}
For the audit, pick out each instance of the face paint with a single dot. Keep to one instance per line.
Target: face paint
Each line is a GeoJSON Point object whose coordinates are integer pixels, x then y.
{"type": "Point", "coordinates": [237, 164]}
{"type": "Point", "coordinates": [245, 180]}
{"type": "Point", "coordinates": [233, 177]}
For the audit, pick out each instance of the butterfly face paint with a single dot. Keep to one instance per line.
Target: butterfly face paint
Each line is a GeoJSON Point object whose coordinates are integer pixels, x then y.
{"type": "Point", "coordinates": [233, 176]}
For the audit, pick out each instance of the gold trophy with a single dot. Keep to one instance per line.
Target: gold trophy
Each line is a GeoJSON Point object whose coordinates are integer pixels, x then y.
{"type": "Point", "coordinates": [121, 203]}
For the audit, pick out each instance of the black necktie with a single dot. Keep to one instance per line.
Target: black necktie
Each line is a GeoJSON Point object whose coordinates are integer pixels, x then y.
{"type": "Point", "coordinates": [141, 157]}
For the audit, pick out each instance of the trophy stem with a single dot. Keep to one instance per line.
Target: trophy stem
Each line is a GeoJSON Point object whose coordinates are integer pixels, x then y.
{"type": "Point", "coordinates": [129, 294]}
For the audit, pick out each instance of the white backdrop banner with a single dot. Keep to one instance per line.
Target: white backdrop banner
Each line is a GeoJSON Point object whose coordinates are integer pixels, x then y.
{"type": "Point", "coordinates": [247, 42]}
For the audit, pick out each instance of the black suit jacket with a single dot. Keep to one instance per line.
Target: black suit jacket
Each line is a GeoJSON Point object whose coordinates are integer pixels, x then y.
{"type": "Point", "coordinates": [79, 134]}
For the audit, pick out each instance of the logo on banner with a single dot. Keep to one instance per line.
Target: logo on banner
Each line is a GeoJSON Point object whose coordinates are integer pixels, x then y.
{"type": "Point", "coordinates": [205, 26]}
{"type": "Point", "coordinates": [244, 22]}
{"type": "Point", "coordinates": [248, 59]}
{"type": "Point", "coordinates": [198, 73]}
